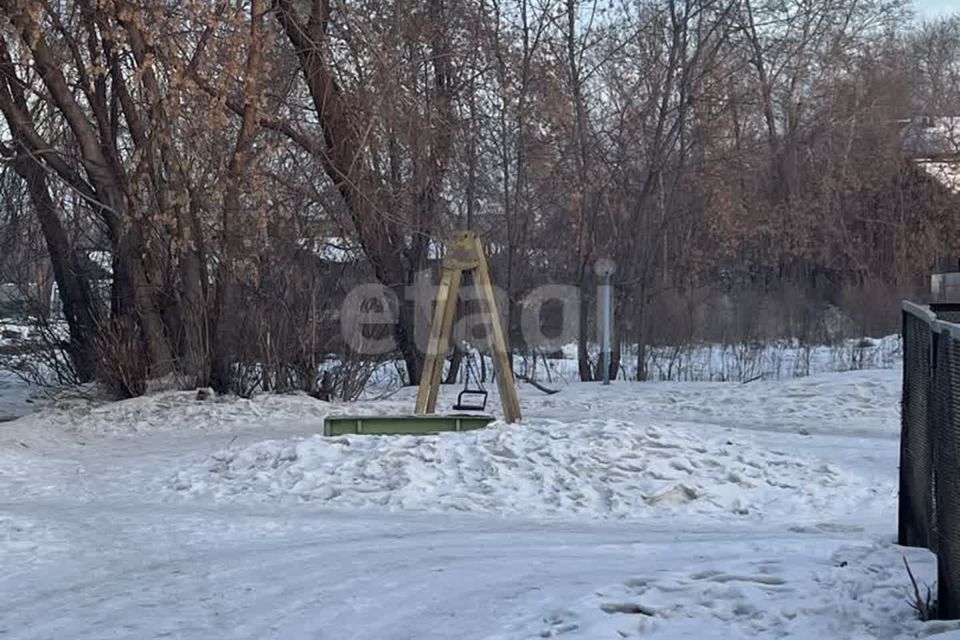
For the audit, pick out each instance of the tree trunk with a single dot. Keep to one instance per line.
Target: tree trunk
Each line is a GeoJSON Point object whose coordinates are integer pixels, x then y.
{"type": "Point", "coordinates": [405, 334]}
{"type": "Point", "coordinates": [79, 306]}
{"type": "Point", "coordinates": [456, 360]}
{"type": "Point", "coordinates": [583, 338]}
{"type": "Point", "coordinates": [615, 352]}
{"type": "Point", "coordinates": [233, 263]}
{"type": "Point", "coordinates": [194, 354]}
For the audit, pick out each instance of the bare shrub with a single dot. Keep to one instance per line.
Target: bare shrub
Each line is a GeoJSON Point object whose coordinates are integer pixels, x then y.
{"type": "Point", "coordinates": [925, 605]}
{"type": "Point", "coordinates": [121, 368]}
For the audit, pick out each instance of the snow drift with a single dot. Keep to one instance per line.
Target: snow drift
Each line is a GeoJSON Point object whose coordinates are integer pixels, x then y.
{"type": "Point", "coordinates": [598, 468]}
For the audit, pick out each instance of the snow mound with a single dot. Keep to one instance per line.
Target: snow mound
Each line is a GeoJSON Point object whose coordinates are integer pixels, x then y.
{"type": "Point", "coordinates": [597, 468]}
{"type": "Point", "coordinates": [861, 403]}
{"type": "Point", "coordinates": [178, 410]}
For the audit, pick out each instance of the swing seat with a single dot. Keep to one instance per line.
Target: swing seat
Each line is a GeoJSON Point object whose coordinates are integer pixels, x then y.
{"type": "Point", "coordinates": [471, 400]}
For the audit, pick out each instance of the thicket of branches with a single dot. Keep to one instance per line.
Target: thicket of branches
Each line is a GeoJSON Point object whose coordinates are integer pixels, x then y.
{"type": "Point", "coordinates": [741, 161]}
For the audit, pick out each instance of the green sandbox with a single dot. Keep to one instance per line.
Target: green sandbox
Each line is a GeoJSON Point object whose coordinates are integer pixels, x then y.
{"type": "Point", "coordinates": [403, 425]}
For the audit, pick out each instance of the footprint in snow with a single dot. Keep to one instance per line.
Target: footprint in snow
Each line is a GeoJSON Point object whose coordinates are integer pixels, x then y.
{"type": "Point", "coordinates": [558, 623]}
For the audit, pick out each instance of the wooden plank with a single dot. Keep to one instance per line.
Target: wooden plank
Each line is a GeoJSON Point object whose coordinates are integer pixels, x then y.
{"type": "Point", "coordinates": [501, 354]}
{"type": "Point", "coordinates": [430, 377]}
{"type": "Point", "coordinates": [449, 315]}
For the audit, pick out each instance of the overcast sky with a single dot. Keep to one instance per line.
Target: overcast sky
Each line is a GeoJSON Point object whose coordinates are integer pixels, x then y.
{"type": "Point", "coordinates": [935, 8]}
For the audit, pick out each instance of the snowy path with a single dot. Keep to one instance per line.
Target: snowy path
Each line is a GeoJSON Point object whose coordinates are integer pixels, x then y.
{"type": "Point", "coordinates": [122, 522]}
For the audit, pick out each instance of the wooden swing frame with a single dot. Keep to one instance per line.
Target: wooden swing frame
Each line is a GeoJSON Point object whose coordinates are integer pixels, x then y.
{"type": "Point", "coordinates": [465, 256]}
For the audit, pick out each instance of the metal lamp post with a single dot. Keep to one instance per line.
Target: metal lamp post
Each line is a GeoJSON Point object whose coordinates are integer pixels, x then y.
{"type": "Point", "coordinates": [605, 269]}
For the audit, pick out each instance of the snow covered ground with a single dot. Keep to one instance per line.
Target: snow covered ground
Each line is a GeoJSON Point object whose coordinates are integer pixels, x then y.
{"type": "Point", "coordinates": [738, 362]}
{"type": "Point", "coordinates": [696, 362]}
{"type": "Point", "coordinates": [663, 510]}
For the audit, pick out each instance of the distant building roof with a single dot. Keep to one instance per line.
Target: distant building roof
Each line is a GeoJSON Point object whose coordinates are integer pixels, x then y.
{"type": "Point", "coordinates": [933, 143]}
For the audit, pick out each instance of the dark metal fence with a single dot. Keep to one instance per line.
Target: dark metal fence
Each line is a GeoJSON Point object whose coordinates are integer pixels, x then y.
{"type": "Point", "coordinates": [929, 514]}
